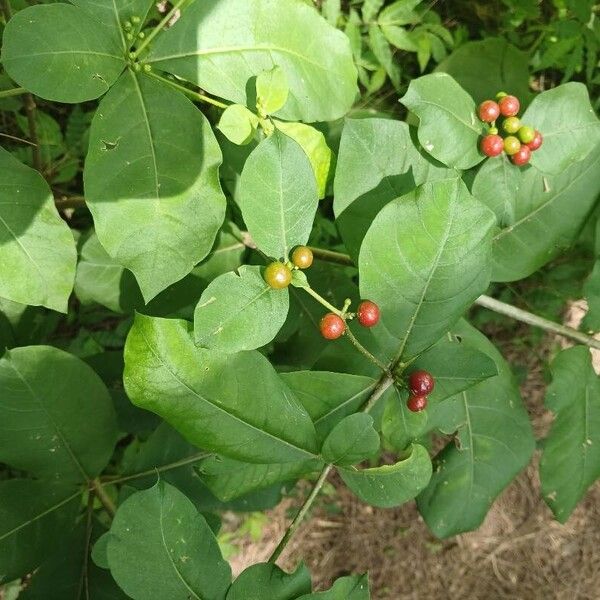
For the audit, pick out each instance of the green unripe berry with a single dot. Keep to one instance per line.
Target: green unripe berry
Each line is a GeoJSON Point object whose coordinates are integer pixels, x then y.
{"type": "Point", "coordinates": [137, 67]}
{"type": "Point", "coordinates": [493, 131]}
{"type": "Point", "coordinates": [141, 35]}
{"type": "Point", "coordinates": [127, 26]}
{"type": "Point", "coordinates": [511, 124]}
{"type": "Point", "coordinates": [130, 37]}
{"type": "Point", "coordinates": [135, 19]}
{"type": "Point", "coordinates": [147, 68]}
{"type": "Point", "coordinates": [511, 145]}
{"type": "Point", "coordinates": [526, 134]}
{"type": "Point", "coordinates": [501, 95]}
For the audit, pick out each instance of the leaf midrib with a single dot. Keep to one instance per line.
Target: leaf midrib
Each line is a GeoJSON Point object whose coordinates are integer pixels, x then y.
{"type": "Point", "coordinates": [220, 408]}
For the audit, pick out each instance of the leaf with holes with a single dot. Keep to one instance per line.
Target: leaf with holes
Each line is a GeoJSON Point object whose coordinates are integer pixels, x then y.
{"type": "Point", "coordinates": [159, 545]}
{"type": "Point", "coordinates": [152, 182]}
{"type": "Point", "coordinates": [64, 432]}
{"type": "Point", "coordinates": [239, 312]}
{"type": "Point", "coordinates": [449, 129]}
{"type": "Point", "coordinates": [58, 53]}
{"type": "Point", "coordinates": [571, 452]}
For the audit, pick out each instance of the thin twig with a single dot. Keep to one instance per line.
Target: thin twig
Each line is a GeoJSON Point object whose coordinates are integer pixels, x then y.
{"type": "Point", "coordinates": [174, 465]}
{"type": "Point", "coordinates": [16, 139]}
{"type": "Point", "coordinates": [65, 202]}
{"type": "Point", "coordinates": [12, 92]}
{"type": "Point", "coordinates": [333, 257]}
{"type": "Point", "coordinates": [31, 112]}
{"type": "Point", "coordinates": [526, 317]}
{"type": "Point", "coordinates": [157, 29]}
{"type": "Point", "coordinates": [191, 93]}
{"type": "Point", "coordinates": [105, 499]}
{"type": "Point", "coordinates": [384, 383]}
{"type": "Point", "coordinates": [364, 351]}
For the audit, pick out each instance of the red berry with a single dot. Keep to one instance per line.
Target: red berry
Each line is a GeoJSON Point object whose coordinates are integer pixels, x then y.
{"type": "Point", "coordinates": [488, 111]}
{"type": "Point", "coordinates": [421, 382]}
{"type": "Point", "coordinates": [492, 145]}
{"type": "Point", "coordinates": [536, 142]}
{"type": "Point", "coordinates": [302, 257]}
{"type": "Point", "coordinates": [278, 275]}
{"type": "Point", "coordinates": [416, 403]}
{"type": "Point", "coordinates": [509, 106]}
{"type": "Point", "coordinates": [368, 313]}
{"type": "Point", "coordinates": [522, 156]}
{"type": "Point", "coordinates": [332, 327]}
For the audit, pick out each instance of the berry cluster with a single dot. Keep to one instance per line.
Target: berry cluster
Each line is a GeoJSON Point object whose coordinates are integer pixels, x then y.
{"type": "Point", "coordinates": [279, 275]}
{"type": "Point", "coordinates": [521, 140]}
{"type": "Point", "coordinates": [420, 384]}
{"type": "Point", "coordinates": [333, 326]}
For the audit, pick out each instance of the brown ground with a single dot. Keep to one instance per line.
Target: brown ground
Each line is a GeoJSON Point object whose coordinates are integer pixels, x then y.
{"type": "Point", "coordinates": [519, 553]}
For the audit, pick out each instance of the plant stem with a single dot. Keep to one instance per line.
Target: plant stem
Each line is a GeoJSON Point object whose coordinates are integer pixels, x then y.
{"type": "Point", "coordinates": [322, 301]}
{"type": "Point", "coordinates": [291, 530]}
{"type": "Point", "coordinates": [191, 93]}
{"type": "Point", "coordinates": [174, 465]}
{"type": "Point", "coordinates": [526, 317]}
{"type": "Point", "coordinates": [332, 257]}
{"type": "Point", "coordinates": [158, 28]}
{"type": "Point", "coordinates": [69, 202]}
{"type": "Point", "coordinates": [364, 351]}
{"type": "Point", "coordinates": [384, 383]}
{"type": "Point", "coordinates": [12, 92]}
{"type": "Point", "coordinates": [30, 109]}
{"type": "Point", "coordinates": [105, 500]}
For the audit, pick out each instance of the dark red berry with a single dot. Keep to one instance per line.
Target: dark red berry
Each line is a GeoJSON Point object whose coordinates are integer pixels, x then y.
{"type": "Point", "coordinates": [368, 313]}
{"type": "Point", "coordinates": [536, 142]}
{"type": "Point", "coordinates": [522, 156]}
{"type": "Point", "coordinates": [278, 275]}
{"type": "Point", "coordinates": [332, 327]}
{"type": "Point", "coordinates": [492, 145]}
{"type": "Point", "coordinates": [416, 403]}
{"type": "Point", "coordinates": [509, 106]}
{"type": "Point", "coordinates": [488, 111]}
{"type": "Point", "coordinates": [421, 383]}
{"type": "Point", "coordinates": [302, 257]}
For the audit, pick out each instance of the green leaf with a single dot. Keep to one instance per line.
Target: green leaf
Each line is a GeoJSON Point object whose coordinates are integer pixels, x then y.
{"type": "Point", "coordinates": [449, 129]}
{"type": "Point", "coordinates": [265, 580]}
{"type": "Point", "coordinates": [351, 441]}
{"type": "Point", "coordinates": [400, 426]}
{"type": "Point", "coordinates": [549, 211]}
{"type": "Point", "coordinates": [238, 124]}
{"type": "Point", "coordinates": [65, 431]}
{"type": "Point", "coordinates": [485, 67]}
{"type": "Point", "coordinates": [49, 136]}
{"type": "Point", "coordinates": [227, 254]}
{"type": "Point", "coordinates": [591, 291]}
{"type": "Point", "coordinates": [68, 573]}
{"type": "Point", "coordinates": [329, 397]}
{"type": "Point", "coordinates": [568, 123]}
{"type": "Point", "coordinates": [272, 91]}
{"type": "Point", "coordinates": [354, 587]}
{"type": "Point", "coordinates": [59, 54]}
{"type": "Point", "coordinates": [377, 163]}
{"type": "Point", "coordinates": [391, 485]}
{"type": "Point", "coordinates": [203, 48]}
{"type": "Point", "coordinates": [497, 185]}
{"type": "Point", "coordinates": [239, 312]}
{"type": "Point", "coordinates": [278, 195]}
{"type": "Point", "coordinates": [113, 15]}
{"type": "Point", "coordinates": [370, 8]}
{"type": "Point", "coordinates": [314, 144]}
{"type": "Point", "coordinates": [167, 374]}
{"type": "Point", "coordinates": [400, 37]}
{"type": "Point", "coordinates": [161, 547]}
{"type": "Point", "coordinates": [424, 260]}
{"type": "Point", "coordinates": [34, 516]}
{"type": "Point", "coordinates": [384, 54]}
{"type": "Point", "coordinates": [456, 365]}
{"type": "Point", "coordinates": [228, 479]}
{"type": "Point", "coordinates": [37, 250]}
{"type": "Point", "coordinates": [493, 443]}
{"type": "Point", "coordinates": [152, 183]}
{"type": "Point", "coordinates": [571, 453]}
{"type": "Point", "coordinates": [400, 12]}
{"type": "Point", "coordinates": [101, 279]}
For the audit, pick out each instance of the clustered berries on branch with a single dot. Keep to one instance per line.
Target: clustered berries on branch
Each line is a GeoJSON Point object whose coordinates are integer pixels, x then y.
{"type": "Point", "coordinates": [420, 385]}
{"type": "Point", "coordinates": [521, 140]}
